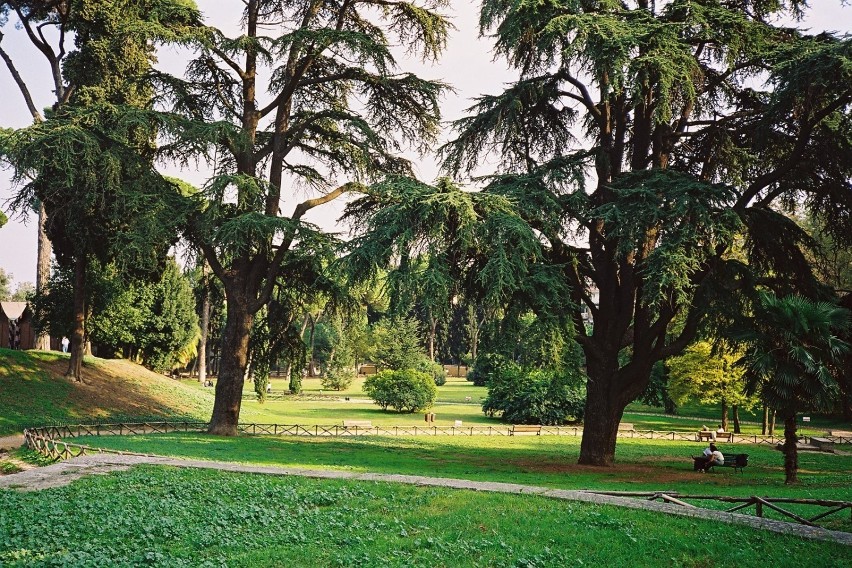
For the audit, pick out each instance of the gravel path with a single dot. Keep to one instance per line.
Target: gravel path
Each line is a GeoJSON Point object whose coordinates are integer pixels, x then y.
{"type": "Point", "coordinates": [65, 472]}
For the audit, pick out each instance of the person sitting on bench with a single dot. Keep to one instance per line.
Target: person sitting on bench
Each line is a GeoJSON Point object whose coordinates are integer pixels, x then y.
{"type": "Point", "coordinates": [715, 458]}
{"type": "Point", "coordinates": [699, 462]}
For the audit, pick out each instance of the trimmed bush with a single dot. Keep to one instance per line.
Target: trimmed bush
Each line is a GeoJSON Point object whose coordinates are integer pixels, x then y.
{"type": "Point", "coordinates": [434, 370]}
{"type": "Point", "coordinates": [535, 397]}
{"type": "Point", "coordinates": [337, 379]}
{"type": "Point", "coordinates": [404, 391]}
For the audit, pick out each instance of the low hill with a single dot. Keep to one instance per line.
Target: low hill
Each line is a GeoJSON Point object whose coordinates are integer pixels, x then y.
{"type": "Point", "coordinates": [33, 391]}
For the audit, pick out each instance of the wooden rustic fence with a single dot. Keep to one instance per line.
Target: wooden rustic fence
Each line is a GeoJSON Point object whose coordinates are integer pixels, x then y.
{"type": "Point", "coordinates": [50, 440]}
{"type": "Point", "coordinates": [742, 503]}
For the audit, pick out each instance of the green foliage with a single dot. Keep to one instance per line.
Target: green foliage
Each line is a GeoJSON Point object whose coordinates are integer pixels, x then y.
{"type": "Point", "coordinates": [397, 343]}
{"type": "Point", "coordinates": [792, 352]}
{"type": "Point", "coordinates": [403, 390]}
{"type": "Point", "coordinates": [707, 375]}
{"type": "Point", "coordinates": [337, 379]}
{"type": "Point", "coordinates": [433, 369]}
{"type": "Point", "coordinates": [487, 366]}
{"type": "Point", "coordinates": [548, 397]}
{"type": "Point", "coordinates": [5, 283]}
{"type": "Point", "coordinates": [3, 219]}
{"type": "Point", "coordinates": [657, 391]}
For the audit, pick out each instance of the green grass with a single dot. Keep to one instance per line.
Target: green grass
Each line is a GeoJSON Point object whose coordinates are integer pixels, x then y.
{"type": "Point", "coordinates": [168, 517]}
{"type": "Point", "coordinates": [643, 465]}
{"type": "Point", "coordinates": [33, 392]}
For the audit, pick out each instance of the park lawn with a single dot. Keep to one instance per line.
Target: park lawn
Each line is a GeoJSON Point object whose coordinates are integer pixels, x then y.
{"type": "Point", "coordinates": [549, 461]}
{"type": "Point", "coordinates": [33, 392]}
{"type": "Point", "coordinates": [184, 517]}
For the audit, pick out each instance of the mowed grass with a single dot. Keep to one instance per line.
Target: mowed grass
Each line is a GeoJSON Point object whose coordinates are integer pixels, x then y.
{"type": "Point", "coordinates": [175, 517]}
{"type": "Point", "coordinates": [549, 461]}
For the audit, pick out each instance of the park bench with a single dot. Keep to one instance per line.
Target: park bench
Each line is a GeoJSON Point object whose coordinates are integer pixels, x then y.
{"type": "Point", "coordinates": [528, 429]}
{"type": "Point", "coordinates": [717, 436]}
{"type": "Point", "coordinates": [357, 424]}
{"type": "Point", "coordinates": [736, 461]}
{"type": "Point", "coordinates": [625, 426]}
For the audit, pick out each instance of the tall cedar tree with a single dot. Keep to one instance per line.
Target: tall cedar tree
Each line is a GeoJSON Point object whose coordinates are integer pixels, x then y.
{"type": "Point", "coordinates": [102, 198]}
{"type": "Point", "coordinates": [700, 119]}
{"type": "Point", "coordinates": [336, 114]}
{"type": "Point", "coordinates": [640, 140]}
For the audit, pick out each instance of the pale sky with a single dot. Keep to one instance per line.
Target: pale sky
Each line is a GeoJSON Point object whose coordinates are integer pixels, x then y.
{"type": "Point", "coordinates": [467, 65]}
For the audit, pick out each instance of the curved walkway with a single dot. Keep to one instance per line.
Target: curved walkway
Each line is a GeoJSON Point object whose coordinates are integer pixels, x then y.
{"type": "Point", "coordinates": [65, 472]}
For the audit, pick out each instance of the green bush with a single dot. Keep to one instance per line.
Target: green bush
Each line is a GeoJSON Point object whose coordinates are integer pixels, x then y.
{"type": "Point", "coordinates": [405, 391]}
{"type": "Point", "coordinates": [434, 370]}
{"type": "Point", "coordinates": [485, 366]}
{"type": "Point", "coordinates": [535, 397]}
{"type": "Point", "coordinates": [337, 379]}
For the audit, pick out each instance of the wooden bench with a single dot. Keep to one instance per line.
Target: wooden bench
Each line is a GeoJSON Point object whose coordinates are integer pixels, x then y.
{"type": "Point", "coordinates": [625, 426]}
{"type": "Point", "coordinates": [527, 429]}
{"type": "Point", "coordinates": [357, 424]}
{"type": "Point", "coordinates": [736, 461]}
{"type": "Point", "coordinates": [715, 436]}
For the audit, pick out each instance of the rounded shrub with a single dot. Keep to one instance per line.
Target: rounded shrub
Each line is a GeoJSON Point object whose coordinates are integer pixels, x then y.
{"type": "Point", "coordinates": [406, 390]}
{"type": "Point", "coordinates": [434, 370]}
{"type": "Point", "coordinates": [535, 397]}
{"type": "Point", "coordinates": [337, 379]}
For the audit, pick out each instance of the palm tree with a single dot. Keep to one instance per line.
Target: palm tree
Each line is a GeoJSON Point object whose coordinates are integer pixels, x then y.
{"type": "Point", "coordinates": [791, 357]}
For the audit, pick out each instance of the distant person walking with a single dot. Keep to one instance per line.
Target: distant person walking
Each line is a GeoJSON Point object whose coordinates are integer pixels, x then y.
{"type": "Point", "coordinates": [65, 343]}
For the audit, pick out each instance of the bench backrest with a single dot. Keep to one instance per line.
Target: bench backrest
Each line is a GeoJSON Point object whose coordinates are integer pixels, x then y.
{"type": "Point", "coordinates": [526, 428]}
{"type": "Point", "coordinates": [358, 423]}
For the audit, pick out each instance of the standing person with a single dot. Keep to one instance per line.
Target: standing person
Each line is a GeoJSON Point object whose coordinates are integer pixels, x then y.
{"type": "Point", "coordinates": [65, 343]}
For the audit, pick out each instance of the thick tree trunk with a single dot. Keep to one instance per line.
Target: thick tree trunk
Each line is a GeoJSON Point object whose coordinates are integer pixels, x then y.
{"type": "Point", "coordinates": [791, 455]}
{"type": "Point", "coordinates": [772, 415]}
{"type": "Point", "coordinates": [232, 369]}
{"type": "Point", "coordinates": [78, 332]}
{"type": "Point", "coordinates": [600, 424]}
{"type": "Point", "coordinates": [205, 328]}
{"type": "Point", "coordinates": [42, 271]}
{"type": "Point", "coordinates": [736, 409]}
{"type": "Point", "coordinates": [764, 424]}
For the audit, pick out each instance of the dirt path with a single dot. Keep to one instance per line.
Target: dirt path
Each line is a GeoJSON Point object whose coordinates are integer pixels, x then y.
{"type": "Point", "coordinates": [65, 472]}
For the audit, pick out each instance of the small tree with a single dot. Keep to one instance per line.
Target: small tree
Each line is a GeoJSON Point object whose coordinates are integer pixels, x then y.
{"type": "Point", "coordinates": [792, 346]}
{"type": "Point", "coordinates": [404, 391]}
{"type": "Point", "coordinates": [709, 377]}
{"type": "Point", "coordinates": [397, 343]}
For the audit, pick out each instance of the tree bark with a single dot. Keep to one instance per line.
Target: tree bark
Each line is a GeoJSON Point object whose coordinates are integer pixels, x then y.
{"type": "Point", "coordinates": [232, 368]}
{"type": "Point", "coordinates": [736, 409]}
{"type": "Point", "coordinates": [791, 456]}
{"type": "Point", "coordinates": [78, 332]}
{"type": "Point", "coordinates": [42, 270]}
{"type": "Point", "coordinates": [724, 415]}
{"type": "Point", "coordinates": [764, 424]}
{"type": "Point", "coordinates": [600, 426]}
{"type": "Point", "coordinates": [772, 415]}
{"type": "Point", "coordinates": [205, 327]}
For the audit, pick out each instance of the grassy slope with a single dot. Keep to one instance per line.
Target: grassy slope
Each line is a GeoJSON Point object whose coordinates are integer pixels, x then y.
{"type": "Point", "coordinates": [34, 392]}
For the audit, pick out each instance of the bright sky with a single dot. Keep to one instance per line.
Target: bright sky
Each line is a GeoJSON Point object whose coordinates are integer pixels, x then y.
{"type": "Point", "coordinates": [467, 65]}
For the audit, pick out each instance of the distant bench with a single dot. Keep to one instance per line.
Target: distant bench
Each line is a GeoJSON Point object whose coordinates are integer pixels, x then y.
{"type": "Point", "coordinates": [736, 461]}
{"type": "Point", "coordinates": [709, 435]}
{"type": "Point", "coordinates": [625, 426]}
{"type": "Point", "coordinates": [528, 429]}
{"type": "Point", "coordinates": [357, 424]}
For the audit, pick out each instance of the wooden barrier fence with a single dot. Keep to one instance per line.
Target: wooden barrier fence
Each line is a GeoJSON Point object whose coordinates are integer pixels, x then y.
{"type": "Point", "coordinates": [49, 440]}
